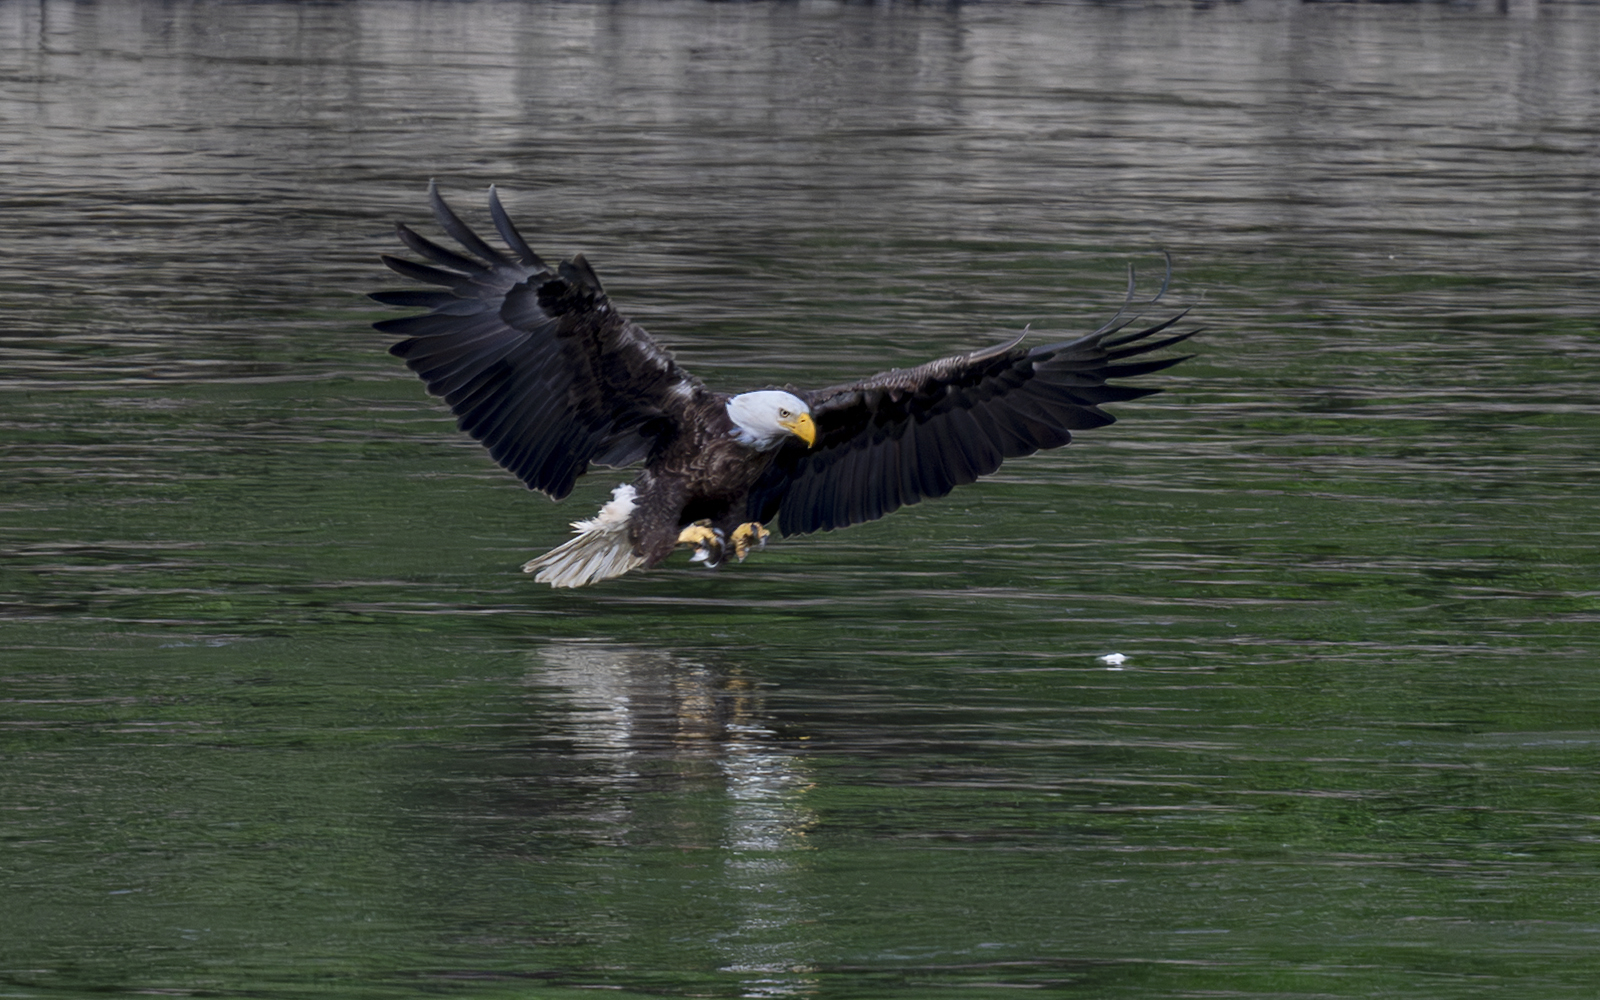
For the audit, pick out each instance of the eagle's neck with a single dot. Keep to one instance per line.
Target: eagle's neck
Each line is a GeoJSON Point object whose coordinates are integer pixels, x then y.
{"type": "Point", "coordinates": [753, 439]}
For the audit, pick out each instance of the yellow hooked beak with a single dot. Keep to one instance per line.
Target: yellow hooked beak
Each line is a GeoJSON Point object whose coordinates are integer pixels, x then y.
{"type": "Point", "coordinates": [802, 427]}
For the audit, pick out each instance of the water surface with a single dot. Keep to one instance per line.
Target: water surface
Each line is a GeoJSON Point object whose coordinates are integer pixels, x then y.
{"type": "Point", "coordinates": [279, 715]}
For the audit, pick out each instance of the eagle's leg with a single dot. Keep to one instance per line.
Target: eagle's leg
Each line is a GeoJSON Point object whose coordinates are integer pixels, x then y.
{"type": "Point", "coordinates": [747, 536]}
{"type": "Point", "coordinates": [708, 542]}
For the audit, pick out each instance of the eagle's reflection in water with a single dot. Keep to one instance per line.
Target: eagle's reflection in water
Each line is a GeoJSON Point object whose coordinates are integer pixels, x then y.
{"type": "Point", "coordinates": [689, 763]}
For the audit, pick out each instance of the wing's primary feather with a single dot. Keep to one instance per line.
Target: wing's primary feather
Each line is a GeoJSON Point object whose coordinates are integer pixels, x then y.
{"type": "Point", "coordinates": [534, 362]}
{"type": "Point", "coordinates": [908, 435]}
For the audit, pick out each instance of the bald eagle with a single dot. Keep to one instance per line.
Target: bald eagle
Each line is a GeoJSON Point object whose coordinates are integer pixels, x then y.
{"type": "Point", "coordinates": [538, 366]}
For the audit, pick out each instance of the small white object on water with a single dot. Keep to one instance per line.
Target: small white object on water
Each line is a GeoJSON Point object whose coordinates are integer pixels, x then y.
{"type": "Point", "coordinates": [1113, 661]}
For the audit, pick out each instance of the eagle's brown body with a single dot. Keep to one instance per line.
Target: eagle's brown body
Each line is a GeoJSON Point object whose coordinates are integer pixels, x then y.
{"type": "Point", "coordinates": [702, 473]}
{"type": "Point", "coordinates": [538, 366]}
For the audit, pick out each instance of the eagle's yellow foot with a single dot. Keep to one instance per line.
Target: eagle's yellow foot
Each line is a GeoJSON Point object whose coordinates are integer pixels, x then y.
{"type": "Point", "coordinates": [708, 542]}
{"type": "Point", "coordinates": [747, 536]}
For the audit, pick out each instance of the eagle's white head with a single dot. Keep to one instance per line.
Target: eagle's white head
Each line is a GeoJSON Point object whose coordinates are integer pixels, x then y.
{"type": "Point", "coordinates": [763, 419]}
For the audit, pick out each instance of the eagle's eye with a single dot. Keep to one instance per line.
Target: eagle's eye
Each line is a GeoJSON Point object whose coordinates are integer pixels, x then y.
{"type": "Point", "coordinates": [783, 414]}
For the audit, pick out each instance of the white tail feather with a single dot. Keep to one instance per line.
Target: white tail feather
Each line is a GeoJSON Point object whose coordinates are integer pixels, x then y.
{"type": "Point", "coordinates": [602, 550]}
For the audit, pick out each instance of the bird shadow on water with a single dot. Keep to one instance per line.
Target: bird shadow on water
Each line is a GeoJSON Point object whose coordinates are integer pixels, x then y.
{"type": "Point", "coordinates": [649, 804]}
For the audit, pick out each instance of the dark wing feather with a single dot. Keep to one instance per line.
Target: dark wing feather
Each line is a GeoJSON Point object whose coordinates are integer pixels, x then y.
{"type": "Point", "coordinates": [533, 362]}
{"type": "Point", "coordinates": [909, 435]}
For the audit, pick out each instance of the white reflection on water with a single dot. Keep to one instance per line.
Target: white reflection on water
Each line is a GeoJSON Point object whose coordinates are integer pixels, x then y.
{"type": "Point", "coordinates": [636, 710]}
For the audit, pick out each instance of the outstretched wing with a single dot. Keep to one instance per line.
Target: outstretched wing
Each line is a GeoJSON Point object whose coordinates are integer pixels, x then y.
{"type": "Point", "coordinates": [909, 435]}
{"type": "Point", "coordinates": [533, 361]}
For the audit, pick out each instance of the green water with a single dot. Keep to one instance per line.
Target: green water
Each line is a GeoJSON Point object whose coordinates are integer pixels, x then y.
{"type": "Point", "coordinates": [279, 715]}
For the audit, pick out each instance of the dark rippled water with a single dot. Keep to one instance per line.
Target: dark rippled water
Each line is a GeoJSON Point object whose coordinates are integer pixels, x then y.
{"type": "Point", "coordinates": [279, 716]}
